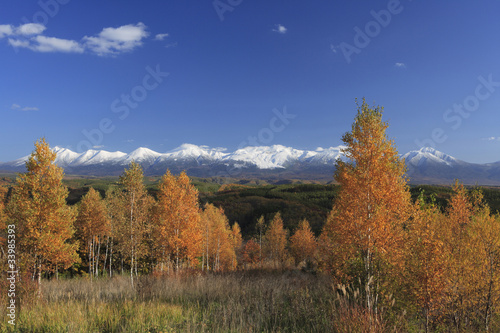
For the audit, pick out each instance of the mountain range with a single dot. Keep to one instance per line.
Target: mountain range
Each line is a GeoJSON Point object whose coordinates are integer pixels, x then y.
{"type": "Point", "coordinates": [276, 162]}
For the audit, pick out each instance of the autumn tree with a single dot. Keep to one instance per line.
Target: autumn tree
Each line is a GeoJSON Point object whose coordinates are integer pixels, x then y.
{"type": "Point", "coordinates": [237, 241]}
{"type": "Point", "coordinates": [218, 242]}
{"type": "Point", "coordinates": [276, 242]}
{"type": "Point", "coordinates": [366, 224]}
{"type": "Point", "coordinates": [484, 231]}
{"type": "Point", "coordinates": [93, 226]}
{"type": "Point", "coordinates": [178, 230]}
{"type": "Point", "coordinates": [115, 212]}
{"type": "Point", "coordinates": [44, 222]}
{"type": "Point", "coordinates": [251, 253]}
{"type": "Point", "coordinates": [133, 222]}
{"type": "Point", "coordinates": [261, 226]}
{"type": "Point", "coordinates": [303, 244]}
{"type": "Point", "coordinates": [460, 263]}
{"type": "Point", "coordinates": [425, 259]}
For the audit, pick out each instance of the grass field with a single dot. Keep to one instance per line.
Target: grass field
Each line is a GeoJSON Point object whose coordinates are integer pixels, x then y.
{"type": "Point", "coordinates": [250, 301]}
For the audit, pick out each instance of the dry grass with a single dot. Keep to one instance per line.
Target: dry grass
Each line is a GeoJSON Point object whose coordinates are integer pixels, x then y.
{"type": "Point", "coordinates": [249, 301]}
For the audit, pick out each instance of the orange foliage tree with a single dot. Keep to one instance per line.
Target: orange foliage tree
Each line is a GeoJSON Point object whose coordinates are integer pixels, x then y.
{"type": "Point", "coordinates": [92, 226]}
{"type": "Point", "coordinates": [218, 243]}
{"type": "Point", "coordinates": [303, 244]}
{"type": "Point", "coordinates": [178, 231]}
{"type": "Point", "coordinates": [425, 264]}
{"type": "Point", "coordinates": [276, 242]}
{"type": "Point", "coordinates": [251, 253]}
{"type": "Point", "coordinates": [133, 225]}
{"type": "Point", "coordinates": [237, 240]}
{"type": "Point", "coordinates": [364, 230]}
{"type": "Point", "coordinates": [44, 222]}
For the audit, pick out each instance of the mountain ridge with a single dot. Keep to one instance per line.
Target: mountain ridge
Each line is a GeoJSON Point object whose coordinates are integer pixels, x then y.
{"type": "Point", "coordinates": [426, 165]}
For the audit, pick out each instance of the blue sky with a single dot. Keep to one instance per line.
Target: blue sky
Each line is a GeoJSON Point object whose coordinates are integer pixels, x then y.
{"type": "Point", "coordinates": [158, 73]}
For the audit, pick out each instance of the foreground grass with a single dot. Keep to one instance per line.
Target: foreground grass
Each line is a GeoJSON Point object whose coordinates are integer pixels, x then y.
{"type": "Point", "coordinates": [234, 302]}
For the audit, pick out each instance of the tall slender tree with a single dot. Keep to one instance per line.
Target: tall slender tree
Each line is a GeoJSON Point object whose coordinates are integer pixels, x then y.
{"type": "Point", "coordinates": [177, 226]}
{"type": "Point", "coordinates": [276, 241]}
{"type": "Point", "coordinates": [303, 244]}
{"type": "Point", "coordinates": [134, 222]}
{"type": "Point", "coordinates": [369, 213]}
{"type": "Point", "coordinates": [425, 259]}
{"type": "Point", "coordinates": [93, 226]}
{"type": "Point", "coordinates": [44, 222]}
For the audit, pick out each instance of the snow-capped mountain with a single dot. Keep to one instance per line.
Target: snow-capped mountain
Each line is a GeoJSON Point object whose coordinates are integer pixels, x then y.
{"type": "Point", "coordinates": [426, 165]}
{"type": "Point", "coordinates": [418, 158]}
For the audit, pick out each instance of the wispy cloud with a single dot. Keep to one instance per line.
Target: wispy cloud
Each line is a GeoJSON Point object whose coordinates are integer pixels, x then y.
{"type": "Point", "coordinates": [5, 30]}
{"type": "Point", "coordinates": [110, 41]}
{"type": "Point", "coordinates": [492, 138]}
{"type": "Point", "coordinates": [52, 44]}
{"type": "Point", "coordinates": [280, 29]}
{"type": "Point", "coordinates": [401, 65]}
{"type": "Point", "coordinates": [26, 108]}
{"type": "Point", "coordinates": [161, 36]}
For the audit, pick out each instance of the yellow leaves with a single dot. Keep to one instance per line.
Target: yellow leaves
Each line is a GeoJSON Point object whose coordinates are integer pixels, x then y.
{"type": "Point", "coordinates": [276, 241]}
{"type": "Point", "coordinates": [92, 219]}
{"type": "Point", "coordinates": [177, 224]}
{"type": "Point", "coordinates": [220, 242]}
{"type": "Point", "coordinates": [38, 208]}
{"type": "Point", "coordinates": [303, 244]}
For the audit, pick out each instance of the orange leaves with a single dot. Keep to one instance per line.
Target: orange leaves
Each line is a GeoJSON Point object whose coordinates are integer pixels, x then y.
{"type": "Point", "coordinates": [178, 230]}
{"type": "Point", "coordinates": [92, 219]}
{"type": "Point", "coordinates": [220, 242]}
{"type": "Point", "coordinates": [38, 208]}
{"type": "Point", "coordinates": [363, 234]}
{"type": "Point", "coordinates": [276, 241]}
{"type": "Point", "coordinates": [303, 244]}
{"type": "Point", "coordinates": [374, 199]}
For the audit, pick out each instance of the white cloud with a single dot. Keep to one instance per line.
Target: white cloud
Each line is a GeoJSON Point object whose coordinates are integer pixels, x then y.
{"type": "Point", "coordinates": [30, 108]}
{"type": "Point", "coordinates": [492, 138]}
{"type": "Point", "coordinates": [26, 108]}
{"type": "Point", "coordinates": [19, 43]}
{"type": "Point", "coordinates": [5, 30]}
{"type": "Point", "coordinates": [98, 147]}
{"type": "Point", "coordinates": [52, 44]}
{"type": "Point", "coordinates": [112, 41]}
{"type": "Point", "coordinates": [400, 65]}
{"type": "Point", "coordinates": [280, 29]}
{"type": "Point", "coordinates": [161, 36]}
{"type": "Point", "coordinates": [29, 29]}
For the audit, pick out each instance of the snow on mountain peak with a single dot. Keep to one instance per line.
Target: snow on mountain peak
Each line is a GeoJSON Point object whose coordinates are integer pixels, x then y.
{"type": "Point", "coordinates": [426, 154]}
{"type": "Point", "coordinates": [187, 150]}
